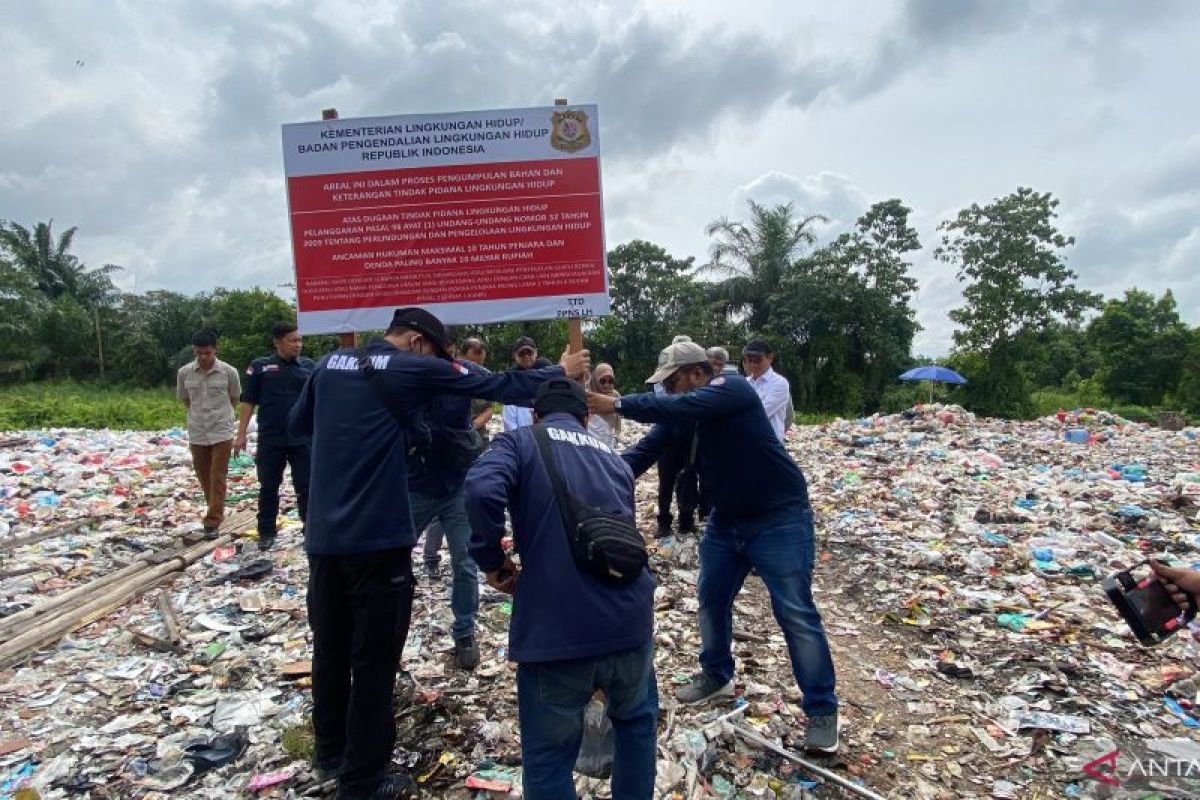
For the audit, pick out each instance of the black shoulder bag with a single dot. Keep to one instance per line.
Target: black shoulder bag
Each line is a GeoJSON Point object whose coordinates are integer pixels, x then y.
{"type": "Point", "coordinates": [605, 545]}
{"type": "Point", "coordinates": [457, 450]}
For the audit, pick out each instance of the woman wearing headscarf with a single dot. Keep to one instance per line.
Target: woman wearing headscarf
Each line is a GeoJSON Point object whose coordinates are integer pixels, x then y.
{"type": "Point", "coordinates": [605, 427]}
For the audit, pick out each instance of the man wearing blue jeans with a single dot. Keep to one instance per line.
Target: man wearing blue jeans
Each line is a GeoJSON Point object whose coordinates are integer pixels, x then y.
{"type": "Point", "coordinates": [360, 408]}
{"type": "Point", "coordinates": [571, 632]}
{"type": "Point", "coordinates": [436, 495]}
{"type": "Point", "coordinates": [761, 520]}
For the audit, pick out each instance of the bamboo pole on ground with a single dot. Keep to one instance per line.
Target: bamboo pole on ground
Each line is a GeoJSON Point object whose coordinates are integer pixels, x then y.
{"type": "Point", "coordinates": [34, 538]}
{"type": "Point", "coordinates": [34, 628]}
{"type": "Point", "coordinates": [22, 621]}
{"type": "Point", "coordinates": [72, 617]}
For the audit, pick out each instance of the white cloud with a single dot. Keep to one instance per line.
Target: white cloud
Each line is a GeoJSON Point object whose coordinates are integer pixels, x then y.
{"type": "Point", "coordinates": [163, 146]}
{"type": "Point", "coordinates": [826, 193]}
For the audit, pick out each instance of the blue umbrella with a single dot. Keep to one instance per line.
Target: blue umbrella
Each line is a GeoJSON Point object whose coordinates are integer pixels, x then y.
{"type": "Point", "coordinates": [934, 374]}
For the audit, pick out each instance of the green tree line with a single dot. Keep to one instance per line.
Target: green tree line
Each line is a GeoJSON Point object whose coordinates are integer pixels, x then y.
{"type": "Point", "coordinates": [840, 315]}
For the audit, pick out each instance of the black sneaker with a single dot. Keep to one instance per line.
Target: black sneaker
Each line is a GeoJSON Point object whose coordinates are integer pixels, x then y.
{"type": "Point", "coordinates": [432, 571]}
{"type": "Point", "coordinates": [663, 531]}
{"type": "Point", "coordinates": [703, 687]}
{"type": "Point", "coordinates": [822, 734]}
{"type": "Point", "coordinates": [466, 653]}
{"type": "Point", "coordinates": [211, 533]}
{"type": "Point", "coordinates": [265, 543]}
{"type": "Point", "coordinates": [391, 787]}
{"type": "Point", "coordinates": [329, 772]}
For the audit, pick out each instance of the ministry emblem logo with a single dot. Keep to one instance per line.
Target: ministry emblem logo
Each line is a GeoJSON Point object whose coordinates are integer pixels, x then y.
{"type": "Point", "coordinates": [569, 131]}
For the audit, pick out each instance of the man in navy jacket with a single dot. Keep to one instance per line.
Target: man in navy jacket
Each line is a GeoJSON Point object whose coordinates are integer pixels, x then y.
{"type": "Point", "coordinates": [761, 520]}
{"type": "Point", "coordinates": [435, 484]}
{"type": "Point", "coordinates": [272, 384]}
{"type": "Point", "coordinates": [359, 535]}
{"type": "Point", "coordinates": [571, 633]}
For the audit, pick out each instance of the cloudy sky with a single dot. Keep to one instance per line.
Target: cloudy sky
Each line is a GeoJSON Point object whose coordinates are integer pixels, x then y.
{"type": "Point", "coordinates": [154, 126]}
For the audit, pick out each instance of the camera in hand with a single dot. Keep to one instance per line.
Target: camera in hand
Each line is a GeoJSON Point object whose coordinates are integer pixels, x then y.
{"type": "Point", "coordinates": [1146, 605]}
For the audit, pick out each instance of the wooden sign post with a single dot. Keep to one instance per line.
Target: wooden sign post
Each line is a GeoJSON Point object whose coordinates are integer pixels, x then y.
{"type": "Point", "coordinates": [574, 324]}
{"type": "Point", "coordinates": [344, 339]}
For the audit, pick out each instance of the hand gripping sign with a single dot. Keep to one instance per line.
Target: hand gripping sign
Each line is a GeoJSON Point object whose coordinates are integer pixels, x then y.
{"type": "Point", "coordinates": [487, 216]}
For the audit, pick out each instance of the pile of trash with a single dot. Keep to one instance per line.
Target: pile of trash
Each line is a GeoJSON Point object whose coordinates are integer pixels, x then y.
{"type": "Point", "coordinates": [959, 570]}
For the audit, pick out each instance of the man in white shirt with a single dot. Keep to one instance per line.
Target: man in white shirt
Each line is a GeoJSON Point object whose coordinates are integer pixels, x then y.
{"type": "Point", "coordinates": [525, 356]}
{"type": "Point", "coordinates": [211, 391]}
{"type": "Point", "coordinates": [772, 388]}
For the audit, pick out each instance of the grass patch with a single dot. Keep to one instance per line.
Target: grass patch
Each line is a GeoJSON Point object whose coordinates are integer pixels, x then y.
{"type": "Point", "coordinates": [816, 418]}
{"type": "Point", "coordinates": [1049, 401]}
{"type": "Point", "coordinates": [298, 741]}
{"type": "Point", "coordinates": [88, 405]}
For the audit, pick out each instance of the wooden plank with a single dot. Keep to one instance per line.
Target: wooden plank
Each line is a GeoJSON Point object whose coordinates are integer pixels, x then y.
{"type": "Point", "coordinates": [574, 325]}
{"type": "Point", "coordinates": [298, 669]}
{"type": "Point", "coordinates": [153, 642]}
{"type": "Point", "coordinates": [575, 334]}
{"type": "Point", "coordinates": [344, 339]}
{"type": "Point", "coordinates": [170, 619]}
{"type": "Point", "coordinates": [34, 538]}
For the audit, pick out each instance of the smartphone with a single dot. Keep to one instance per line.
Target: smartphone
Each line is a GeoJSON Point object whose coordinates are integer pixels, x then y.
{"type": "Point", "coordinates": [1146, 605]}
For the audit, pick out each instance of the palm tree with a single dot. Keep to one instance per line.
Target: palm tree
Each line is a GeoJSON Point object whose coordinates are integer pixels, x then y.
{"type": "Point", "coordinates": [58, 275]}
{"type": "Point", "coordinates": [51, 266]}
{"type": "Point", "coordinates": [756, 256]}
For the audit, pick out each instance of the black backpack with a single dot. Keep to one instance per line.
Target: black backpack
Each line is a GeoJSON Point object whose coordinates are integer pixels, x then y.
{"type": "Point", "coordinates": [455, 449]}
{"type": "Point", "coordinates": [607, 546]}
{"type": "Point", "coordinates": [446, 447]}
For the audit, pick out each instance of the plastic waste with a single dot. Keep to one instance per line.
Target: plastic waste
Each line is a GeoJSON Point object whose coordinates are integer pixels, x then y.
{"type": "Point", "coordinates": [1014, 622]}
{"type": "Point", "coordinates": [980, 560]}
{"type": "Point", "coordinates": [1134, 473]}
{"type": "Point", "coordinates": [218, 751]}
{"type": "Point", "coordinates": [269, 779]}
{"type": "Point", "coordinates": [169, 778]}
{"type": "Point", "coordinates": [596, 751]}
{"type": "Point", "coordinates": [905, 530]}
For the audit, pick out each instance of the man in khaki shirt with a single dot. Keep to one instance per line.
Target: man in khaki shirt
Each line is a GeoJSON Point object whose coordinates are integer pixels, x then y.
{"type": "Point", "coordinates": [210, 389]}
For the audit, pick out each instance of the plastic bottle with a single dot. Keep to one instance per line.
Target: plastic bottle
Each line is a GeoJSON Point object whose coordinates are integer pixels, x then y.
{"type": "Point", "coordinates": [1076, 436]}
